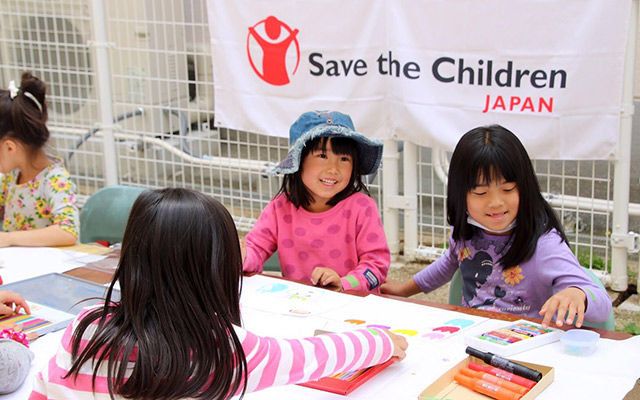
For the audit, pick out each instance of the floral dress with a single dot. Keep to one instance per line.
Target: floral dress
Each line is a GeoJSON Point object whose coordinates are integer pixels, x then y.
{"type": "Point", "coordinates": [48, 199]}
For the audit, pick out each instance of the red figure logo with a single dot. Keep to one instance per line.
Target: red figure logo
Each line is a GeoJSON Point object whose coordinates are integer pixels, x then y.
{"type": "Point", "coordinates": [274, 38]}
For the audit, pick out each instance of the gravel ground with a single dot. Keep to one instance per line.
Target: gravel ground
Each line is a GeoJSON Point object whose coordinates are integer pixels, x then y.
{"type": "Point", "coordinates": [627, 313]}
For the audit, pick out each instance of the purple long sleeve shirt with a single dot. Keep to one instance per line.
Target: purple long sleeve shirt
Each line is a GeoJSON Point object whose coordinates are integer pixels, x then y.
{"type": "Point", "coordinates": [348, 238]}
{"type": "Point", "coordinates": [522, 289]}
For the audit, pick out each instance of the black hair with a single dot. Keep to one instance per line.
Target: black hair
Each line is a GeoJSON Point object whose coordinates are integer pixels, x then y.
{"type": "Point", "coordinates": [180, 279]}
{"type": "Point", "coordinates": [20, 117]}
{"type": "Point", "coordinates": [491, 152]}
{"type": "Point", "coordinates": [298, 194]}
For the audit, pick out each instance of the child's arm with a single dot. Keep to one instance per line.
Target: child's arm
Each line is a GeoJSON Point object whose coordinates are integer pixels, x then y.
{"type": "Point", "coordinates": [429, 278]}
{"type": "Point", "coordinates": [374, 257]}
{"type": "Point", "coordinates": [52, 235]}
{"type": "Point", "coordinates": [404, 289]}
{"type": "Point", "coordinates": [60, 200]}
{"type": "Point", "coordinates": [273, 361]}
{"type": "Point", "coordinates": [573, 290]}
{"type": "Point", "coordinates": [261, 241]}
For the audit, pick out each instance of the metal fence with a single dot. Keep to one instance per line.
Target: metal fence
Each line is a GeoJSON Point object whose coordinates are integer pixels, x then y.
{"type": "Point", "coordinates": [136, 75]}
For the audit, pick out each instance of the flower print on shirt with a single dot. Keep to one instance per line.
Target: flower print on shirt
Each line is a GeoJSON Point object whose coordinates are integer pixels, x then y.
{"type": "Point", "coordinates": [48, 199]}
{"type": "Point", "coordinates": [43, 208]}
{"type": "Point", "coordinates": [512, 276]}
{"type": "Point", "coordinates": [464, 253]}
{"type": "Point", "coordinates": [22, 222]}
{"type": "Point", "coordinates": [59, 184]}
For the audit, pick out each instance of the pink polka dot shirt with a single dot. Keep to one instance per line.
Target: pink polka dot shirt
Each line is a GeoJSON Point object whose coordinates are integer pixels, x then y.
{"type": "Point", "coordinates": [347, 238]}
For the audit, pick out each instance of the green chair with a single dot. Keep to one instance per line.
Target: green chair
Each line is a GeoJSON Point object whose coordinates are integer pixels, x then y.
{"type": "Point", "coordinates": [455, 289]}
{"type": "Point", "coordinates": [104, 216]}
{"type": "Point", "coordinates": [455, 298]}
{"type": "Point", "coordinates": [273, 263]}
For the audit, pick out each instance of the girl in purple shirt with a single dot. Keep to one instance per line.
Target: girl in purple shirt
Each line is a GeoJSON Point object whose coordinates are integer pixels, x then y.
{"type": "Point", "coordinates": [326, 228]}
{"type": "Point", "coordinates": [506, 240]}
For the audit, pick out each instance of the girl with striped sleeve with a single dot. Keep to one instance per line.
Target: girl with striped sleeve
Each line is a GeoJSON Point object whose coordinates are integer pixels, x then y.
{"type": "Point", "coordinates": [175, 332]}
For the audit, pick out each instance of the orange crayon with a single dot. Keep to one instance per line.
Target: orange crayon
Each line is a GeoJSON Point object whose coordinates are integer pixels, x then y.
{"type": "Point", "coordinates": [492, 390]}
{"type": "Point", "coordinates": [500, 373]}
{"type": "Point", "coordinates": [494, 379]}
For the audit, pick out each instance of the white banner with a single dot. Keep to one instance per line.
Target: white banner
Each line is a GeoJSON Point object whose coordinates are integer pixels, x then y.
{"type": "Point", "coordinates": [427, 71]}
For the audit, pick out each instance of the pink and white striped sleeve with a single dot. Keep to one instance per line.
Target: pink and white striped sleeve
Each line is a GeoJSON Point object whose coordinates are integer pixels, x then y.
{"type": "Point", "coordinates": [272, 361]}
{"type": "Point", "coordinates": [50, 382]}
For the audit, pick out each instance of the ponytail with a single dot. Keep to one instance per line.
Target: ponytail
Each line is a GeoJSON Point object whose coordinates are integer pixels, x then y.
{"type": "Point", "coordinates": [23, 112]}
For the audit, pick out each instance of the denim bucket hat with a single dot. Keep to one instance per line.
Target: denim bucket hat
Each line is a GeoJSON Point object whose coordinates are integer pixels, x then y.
{"type": "Point", "coordinates": [314, 124]}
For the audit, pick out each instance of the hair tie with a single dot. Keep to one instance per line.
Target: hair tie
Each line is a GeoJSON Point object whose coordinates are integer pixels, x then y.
{"type": "Point", "coordinates": [33, 98]}
{"type": "Point", "coordinates": [19, 337]}
{"type": "Point", "coordinates": [14, 90]}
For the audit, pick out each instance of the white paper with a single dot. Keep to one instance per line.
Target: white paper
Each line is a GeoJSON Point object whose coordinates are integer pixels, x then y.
{"type": "Point", "coordinates": [19, 263]}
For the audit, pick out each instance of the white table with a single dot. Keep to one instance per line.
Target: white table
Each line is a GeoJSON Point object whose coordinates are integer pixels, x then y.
{"type": "Point", "coordinates": [607, 374]}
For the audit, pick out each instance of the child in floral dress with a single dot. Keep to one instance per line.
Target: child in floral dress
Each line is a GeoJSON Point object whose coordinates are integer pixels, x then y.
{"type": "Point", "coordinates": [37, 199]}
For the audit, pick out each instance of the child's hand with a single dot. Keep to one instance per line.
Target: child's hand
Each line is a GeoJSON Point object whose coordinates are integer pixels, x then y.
{"type": "Point", "coordinates": [327, 278]}
{"type": "Point", "coordinates": [11, 302]}
{"type": "Point", "coordinates": [405, 289]}
{"type": "Point", "coordinates": [569, 302]}
{"type": "Point", "coordinates": [399, 345]}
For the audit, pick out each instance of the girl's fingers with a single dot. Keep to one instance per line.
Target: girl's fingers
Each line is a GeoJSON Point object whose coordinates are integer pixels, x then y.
{"type": "Point", "coordinates": [5, 310]}
{"type": "Point", "coordinates": [562, 312]}
{"type": "Point", "coordinates": [547, 311]}
{"type": "Point", "coordinates": [579, 314]}
{"type": "Point", "coordinates": [316, 275]}
{"type": "Point", "coordinates": [330, 280]}
{"type": "Point", "coordinates": [580, 319]}
{"type": "Point", "coordinates": [571, 314]}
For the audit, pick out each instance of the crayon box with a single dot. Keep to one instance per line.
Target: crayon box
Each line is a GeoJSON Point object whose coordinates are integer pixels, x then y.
{"type": "Point", "coordinates": [446, 387]}
{"type": "Point", "coordinates": [515, 337]}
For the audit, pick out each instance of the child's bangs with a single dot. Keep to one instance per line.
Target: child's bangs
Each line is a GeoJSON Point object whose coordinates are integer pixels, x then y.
{"type": "Point", "coordinates": [490, 166]}
{"type": "Point", "coordinates": [343, 146]}
{"type": "Point", "coordinates": [339, 145]}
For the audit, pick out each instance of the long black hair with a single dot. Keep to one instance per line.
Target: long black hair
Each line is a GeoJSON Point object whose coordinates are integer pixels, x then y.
{"type": "Point", "coordinates": [491, 152]}
{"type": "Point", "coordinates": [20, 117]}
{"type": "Point", "coordinates": [298, 194]}
{"type": "Point", "coordinates": [180, 280]}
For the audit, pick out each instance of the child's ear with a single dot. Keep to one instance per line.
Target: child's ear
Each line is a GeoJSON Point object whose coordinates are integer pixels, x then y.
{"type": "Point", "coordinates": [10, 145]}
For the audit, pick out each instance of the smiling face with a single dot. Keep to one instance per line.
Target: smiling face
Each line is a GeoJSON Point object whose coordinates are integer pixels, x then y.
{"type": "Point", "coordinates": [325, 174]}
{"type": "Point", "coordinates": [494, 204]}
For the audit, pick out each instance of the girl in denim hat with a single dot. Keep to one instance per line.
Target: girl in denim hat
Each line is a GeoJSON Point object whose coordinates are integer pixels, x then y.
{"type": "Point", "coordinates": [326, 228]}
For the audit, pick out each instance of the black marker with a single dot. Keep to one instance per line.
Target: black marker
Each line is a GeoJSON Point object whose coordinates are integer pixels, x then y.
{"type": "Point", "coordinates": [505, 364]}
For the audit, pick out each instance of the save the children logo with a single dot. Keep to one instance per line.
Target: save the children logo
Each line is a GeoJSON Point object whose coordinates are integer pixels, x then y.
{"type": "Point", "coordinates": [273, 52]}
{"type": "Point", "coordinates": [277, 54]}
